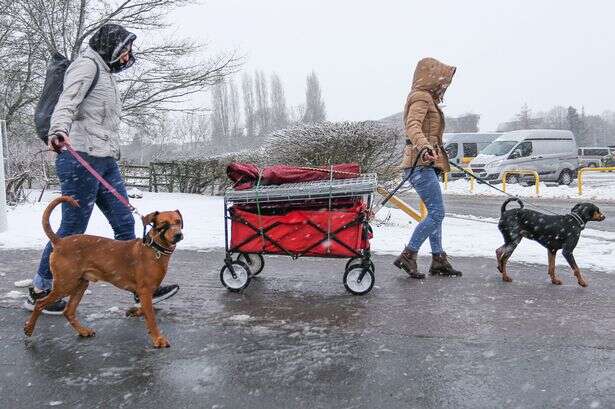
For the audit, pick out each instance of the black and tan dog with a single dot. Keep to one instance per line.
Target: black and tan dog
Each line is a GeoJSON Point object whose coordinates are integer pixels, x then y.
{"type": "Point", "coordinates": [553, 232]}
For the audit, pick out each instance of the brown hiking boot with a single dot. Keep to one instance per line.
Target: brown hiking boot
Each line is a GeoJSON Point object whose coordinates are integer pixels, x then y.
{"type": "Point", "coordinates": [440, 265]}
{"type": "Point", "coordinates": [407, 262]}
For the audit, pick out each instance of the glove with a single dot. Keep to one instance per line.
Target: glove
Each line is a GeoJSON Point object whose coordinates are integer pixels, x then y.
{"type": "Point", "coordinates": [57, 142]}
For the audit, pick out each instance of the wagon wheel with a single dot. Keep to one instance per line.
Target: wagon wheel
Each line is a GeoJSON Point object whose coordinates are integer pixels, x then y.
{"type": "Point", "coordinates": [235, 276]}
{"type": "Point", "coordinates": [256, 262]}
{"type": "Point", "coordinates": [359, 280]}
{"type": "Point", "coordinates": [356, 261]}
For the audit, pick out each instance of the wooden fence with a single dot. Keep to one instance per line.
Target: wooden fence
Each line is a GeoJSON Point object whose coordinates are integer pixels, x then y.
{"type": "Point", "coordinates": [192, 176]}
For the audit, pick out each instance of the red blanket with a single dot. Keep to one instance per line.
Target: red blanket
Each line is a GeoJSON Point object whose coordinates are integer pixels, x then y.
{"type": "Point", "coordinates": [245, 175]}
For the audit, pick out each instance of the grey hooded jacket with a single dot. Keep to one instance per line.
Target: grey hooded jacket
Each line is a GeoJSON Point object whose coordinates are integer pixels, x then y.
{"type": "Point", "coordinates": [92, 123]}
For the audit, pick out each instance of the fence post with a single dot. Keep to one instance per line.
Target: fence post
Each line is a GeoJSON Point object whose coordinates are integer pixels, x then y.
{"type": "Point", "coordinates": [3, 221]}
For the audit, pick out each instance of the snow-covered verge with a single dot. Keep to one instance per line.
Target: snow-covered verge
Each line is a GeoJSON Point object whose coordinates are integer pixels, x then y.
{"type": "Point", "coordinates": [204, 228]}
{"type": "Point", "coordinates": [596, 186]}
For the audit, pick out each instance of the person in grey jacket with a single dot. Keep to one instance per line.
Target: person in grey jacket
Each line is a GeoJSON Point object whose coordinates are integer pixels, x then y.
{"type": "Point", "coordinates": [91, 126]}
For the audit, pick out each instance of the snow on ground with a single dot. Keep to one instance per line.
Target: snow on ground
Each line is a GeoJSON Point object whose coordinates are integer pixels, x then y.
{"type": "Point", "coordinates": [596, 186]}
{"type": "Point", "coordinates": [204, 229]}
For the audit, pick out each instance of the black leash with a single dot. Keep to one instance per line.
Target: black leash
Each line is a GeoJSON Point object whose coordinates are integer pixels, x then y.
{"type": "Point", "coordinates": [484, 182]}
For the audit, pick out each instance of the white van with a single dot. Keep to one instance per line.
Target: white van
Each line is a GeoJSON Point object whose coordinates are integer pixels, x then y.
{"type": "Point", "coordinates": [593, 156]}
{"type": "Point", "coordinates": [551, 153]}
{"type": "Point", "coordinates": [461, 148]}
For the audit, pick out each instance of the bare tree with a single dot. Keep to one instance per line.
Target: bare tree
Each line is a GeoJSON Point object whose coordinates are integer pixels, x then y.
{"type": "Point", "coordinates": [262, 103]}
{"type": "Point", "coordinates": [167, 72]}
{"type": "Point", "coordinates": [556, 118]}
{"type": "Point", "coordinates": [314, 104]}
{"type": "Point", "coordinates": [279, 112]}
{"type": "Point", "coordinates": [234, 110]}
{"type": "Point", "coordinates": [525, 117]}
{"type": "Point", "coordinates": [248, 105]}
{"type": "Point", "coordinates": [191, 130]}
{"type": "Point", "coordinates": [297, 113]}
{"type": "Point", "coordinates": [220, 125]}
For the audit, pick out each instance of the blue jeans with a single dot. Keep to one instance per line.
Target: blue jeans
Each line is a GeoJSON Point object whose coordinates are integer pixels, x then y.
{"type": "Point", "coordinates": [77, 182]}
{"type": "Point", "coordinates": [425, 182]}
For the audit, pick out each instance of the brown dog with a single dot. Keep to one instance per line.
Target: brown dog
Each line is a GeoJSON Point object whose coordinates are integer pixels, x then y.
{"type": "Point", "coordinates": [137, 265]}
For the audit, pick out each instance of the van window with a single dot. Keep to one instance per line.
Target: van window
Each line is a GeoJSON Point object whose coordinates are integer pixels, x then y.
{"type": "Point", "coordinates": [451, 150]}
{"type": "Point", "coordinates": [470, 150]}
{"type": "Point", "coordinates": [524, 148]}
{"type": "Point", "coordinates": [595, 152]}
{"type": "Point", "coordinates": [499, 148]}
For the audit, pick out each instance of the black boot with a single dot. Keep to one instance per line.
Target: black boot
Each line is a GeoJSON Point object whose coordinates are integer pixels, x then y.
{"type": "Point", "coordinates": [407, 262]}
{"type": "Point", "coordinates": [440, 265]}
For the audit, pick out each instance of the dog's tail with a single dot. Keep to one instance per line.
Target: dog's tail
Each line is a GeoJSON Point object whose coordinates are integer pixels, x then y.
{"type": "Point", "coordinates": [46, 226]}
{"type": "Point", "coordinates": [512, 199]}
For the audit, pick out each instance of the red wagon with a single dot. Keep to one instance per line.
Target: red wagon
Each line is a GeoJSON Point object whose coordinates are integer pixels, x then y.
{"type": "Point", "coordinates": [326, 218]}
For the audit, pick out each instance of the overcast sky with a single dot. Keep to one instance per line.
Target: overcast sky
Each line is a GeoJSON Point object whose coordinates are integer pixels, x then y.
{"type": "Point", "coordinates": [507, 53]}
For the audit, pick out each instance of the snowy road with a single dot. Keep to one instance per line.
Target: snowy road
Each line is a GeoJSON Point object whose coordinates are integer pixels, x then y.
{"type": "Point", "coordinates": [295, 339]}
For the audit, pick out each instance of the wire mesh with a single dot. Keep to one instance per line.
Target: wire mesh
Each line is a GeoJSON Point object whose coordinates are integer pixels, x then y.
{"type": "Point", "coordinates": [337, 188]}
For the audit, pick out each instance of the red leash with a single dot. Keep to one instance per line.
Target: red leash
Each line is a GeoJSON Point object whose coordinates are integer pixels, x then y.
{"type": "Point", "coordinates": [106, 184]}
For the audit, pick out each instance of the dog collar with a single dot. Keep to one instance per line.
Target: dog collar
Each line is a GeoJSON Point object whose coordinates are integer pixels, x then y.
{"type": "Point", "coordinates": [578, 219]}
{"type": "Point", "coordinates": [158, 248]}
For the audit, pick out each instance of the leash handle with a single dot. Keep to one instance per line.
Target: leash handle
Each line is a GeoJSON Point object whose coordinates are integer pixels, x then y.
{"type": "Point", "coordinates": [98, 177]}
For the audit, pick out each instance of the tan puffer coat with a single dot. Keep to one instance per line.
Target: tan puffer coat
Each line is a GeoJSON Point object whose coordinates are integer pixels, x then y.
{"type": "Point", "coordinates": [423, 119]}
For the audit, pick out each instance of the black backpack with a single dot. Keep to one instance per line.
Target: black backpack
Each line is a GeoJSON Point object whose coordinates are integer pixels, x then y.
{"type": "Point", "coordinates": [54, 83]}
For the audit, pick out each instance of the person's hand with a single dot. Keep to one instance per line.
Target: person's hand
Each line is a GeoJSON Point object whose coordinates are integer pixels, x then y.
{"type": "Point", "coordinates": [431, 155]}
{"type": "Point", "coordinates": [57, 141]}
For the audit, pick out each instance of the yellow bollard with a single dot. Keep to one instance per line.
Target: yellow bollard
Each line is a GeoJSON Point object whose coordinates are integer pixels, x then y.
{"type": "Point", "coordinates": [582, 171]}
{"type": "Point", "coordinates": [522, 172]}
{"type": "Point", "coordinates": [445, 181]}
{"type": "Point", "coordinates": [422, 210]}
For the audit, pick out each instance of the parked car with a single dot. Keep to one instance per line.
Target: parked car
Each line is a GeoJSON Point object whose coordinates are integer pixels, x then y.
{"type": "Point", "coordinates": [594, 156]}
{"type": "Point", "coordinates": [461, 148]}
{"type": "Point", "coordinates": [551, 153]}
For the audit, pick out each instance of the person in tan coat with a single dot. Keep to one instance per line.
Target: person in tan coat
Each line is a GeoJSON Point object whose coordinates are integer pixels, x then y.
{"type": "Point", "coordinates": [424, 126]}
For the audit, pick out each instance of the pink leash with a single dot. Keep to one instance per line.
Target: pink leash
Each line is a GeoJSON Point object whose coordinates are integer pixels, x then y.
{"type": "Point", "coordinates": [106, 184]}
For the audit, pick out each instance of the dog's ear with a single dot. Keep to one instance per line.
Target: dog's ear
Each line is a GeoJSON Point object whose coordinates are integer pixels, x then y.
{"type": "Point", "coordinates": [150, 218]}
{"type": "Point", "coordinates": [576, 208]}
{"type": "Point", "coordinates": [180, 218]}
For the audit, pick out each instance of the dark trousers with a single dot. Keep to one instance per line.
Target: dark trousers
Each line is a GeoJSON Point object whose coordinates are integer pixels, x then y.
{"type": "Point", "coordinates": [77, 182]}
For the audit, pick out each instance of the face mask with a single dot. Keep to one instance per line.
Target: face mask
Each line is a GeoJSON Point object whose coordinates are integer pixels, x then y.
{"type": "Point", "coordinates": [118, 66]}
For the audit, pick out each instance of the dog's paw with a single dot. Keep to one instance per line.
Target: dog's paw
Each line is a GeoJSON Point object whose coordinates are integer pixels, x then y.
{"type": "Point", "coordinates": [161, 342]}
{"type": "Point", "coordinates": [556, 281]}
{"type": "Point", "coordinates": [28, 329]}
{"type": "Point", "coordinates": [134, 312]}
{"type": "Point", "coordinates": [86, 332]}
{"type": "Point", "coordinates": [507, 279]}
{"type": "Point", "coordinates": [583, 283]}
